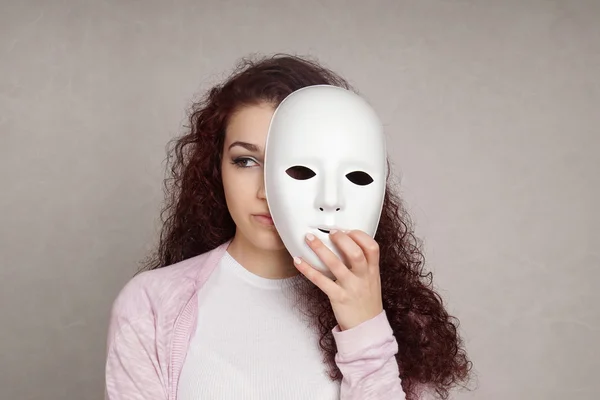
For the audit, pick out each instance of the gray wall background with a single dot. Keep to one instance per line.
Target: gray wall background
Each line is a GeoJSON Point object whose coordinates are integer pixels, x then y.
{"type": "Point", "coordinates": [492, 113]}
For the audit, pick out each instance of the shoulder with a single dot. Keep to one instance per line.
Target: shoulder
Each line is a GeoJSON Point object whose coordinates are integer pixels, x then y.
{"type": "Point", "coordinates": [150, 290]}
{"type": "Point", "coordinates": [163, 290]}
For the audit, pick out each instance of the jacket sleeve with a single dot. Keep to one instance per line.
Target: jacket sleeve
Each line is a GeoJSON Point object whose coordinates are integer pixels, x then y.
{"type": "Point", "coordinates": [366, 358]}
{"type": "Point", "coordinates": [133, 368]}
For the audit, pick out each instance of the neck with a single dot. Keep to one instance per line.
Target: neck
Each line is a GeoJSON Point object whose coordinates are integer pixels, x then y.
{"type": "Point", "coordinates": [270, 264]}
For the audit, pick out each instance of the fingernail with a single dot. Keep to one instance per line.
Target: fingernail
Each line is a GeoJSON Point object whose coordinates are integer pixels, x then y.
{"type": "Point", "coordinates": [332, 231]}
{"type": "Point", "coordinates": [297, 260]}
{"type": "Point", "coordinates": [310, 237]}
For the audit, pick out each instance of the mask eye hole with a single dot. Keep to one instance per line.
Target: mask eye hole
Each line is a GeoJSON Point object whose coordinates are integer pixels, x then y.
{"type": "Point", "coordinates": [359, 178]}
{"type": "Point", "coordinates": [300, 173]}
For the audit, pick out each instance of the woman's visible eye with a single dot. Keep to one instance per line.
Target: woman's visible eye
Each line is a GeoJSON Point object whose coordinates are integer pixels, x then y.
{"type": "Point", "coordinates": [242, 162]}
{"type": "Point", "coordinates": [300, 173]}
{"type": "Point", "coordinates": [359, 178]}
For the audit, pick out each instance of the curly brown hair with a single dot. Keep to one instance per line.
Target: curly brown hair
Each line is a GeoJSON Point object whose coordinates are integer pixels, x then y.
{"type": "Point", "coordinates": [196, 220]}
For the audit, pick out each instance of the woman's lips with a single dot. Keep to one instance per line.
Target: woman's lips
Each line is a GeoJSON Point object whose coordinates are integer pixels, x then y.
{"type": "Point", "coordinates": [264, 219]}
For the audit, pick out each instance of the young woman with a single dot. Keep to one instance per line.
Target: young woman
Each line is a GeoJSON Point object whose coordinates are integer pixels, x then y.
{"type": "Point", "coordinates": [223, 312]}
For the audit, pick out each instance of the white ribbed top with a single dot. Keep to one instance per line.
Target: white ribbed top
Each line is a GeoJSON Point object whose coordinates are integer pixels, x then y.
{"type": "Point", "coordinates": [252, 343]}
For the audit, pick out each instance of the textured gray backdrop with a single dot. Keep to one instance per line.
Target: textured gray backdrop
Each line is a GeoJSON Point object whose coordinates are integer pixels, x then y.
{"type": "Point", "coordinates": [492, 113]}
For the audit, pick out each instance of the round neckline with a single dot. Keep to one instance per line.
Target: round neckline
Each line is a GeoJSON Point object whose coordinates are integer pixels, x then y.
{"type": "Point", "coordinates": [238, 269]}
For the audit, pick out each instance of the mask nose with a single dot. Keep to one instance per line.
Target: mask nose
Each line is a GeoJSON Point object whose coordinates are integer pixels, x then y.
{"type": "Point", "coordinates": [330, 198]}
{"type": "Point", "coordinates": [328, 208]}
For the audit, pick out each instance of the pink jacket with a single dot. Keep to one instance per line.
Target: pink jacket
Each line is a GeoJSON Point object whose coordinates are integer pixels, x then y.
{"type": "Point", "coordinates": [154, 318]}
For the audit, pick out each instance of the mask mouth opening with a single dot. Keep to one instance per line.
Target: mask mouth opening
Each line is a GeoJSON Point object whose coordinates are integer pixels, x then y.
{"type": "Point", "coordinates": [323, 230]}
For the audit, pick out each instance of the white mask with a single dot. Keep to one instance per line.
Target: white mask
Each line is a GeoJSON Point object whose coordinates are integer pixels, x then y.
{"type": "Point", "coordinates": [324, 146]}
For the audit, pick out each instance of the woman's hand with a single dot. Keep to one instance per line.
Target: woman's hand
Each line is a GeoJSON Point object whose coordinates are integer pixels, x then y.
{"type": "Point", "coordinates": [355, 295]}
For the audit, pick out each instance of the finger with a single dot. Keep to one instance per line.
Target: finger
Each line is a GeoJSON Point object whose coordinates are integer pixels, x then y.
{"type": "Point", "coordinates": [352, 253]}
{"type": "Point", "coordinates": [328, 286]}
{"type": "Point", "coordinates": [328, 257]}
{"type": "Point", "coordinates": [368, 245]}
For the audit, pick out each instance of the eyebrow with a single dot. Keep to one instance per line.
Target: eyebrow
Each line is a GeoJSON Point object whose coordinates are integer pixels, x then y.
{"type": "Point", "coordinates": [247, 146]}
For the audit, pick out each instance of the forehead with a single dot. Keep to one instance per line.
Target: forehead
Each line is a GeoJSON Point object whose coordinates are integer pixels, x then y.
{"type": "Point", "coordinates": [249, 124]}
{"type": "Point", "coordinates": [327, 122]}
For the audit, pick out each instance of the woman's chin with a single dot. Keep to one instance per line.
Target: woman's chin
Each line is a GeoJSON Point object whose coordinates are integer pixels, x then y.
{"type": "Point", "coordinates": [270, 241]}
